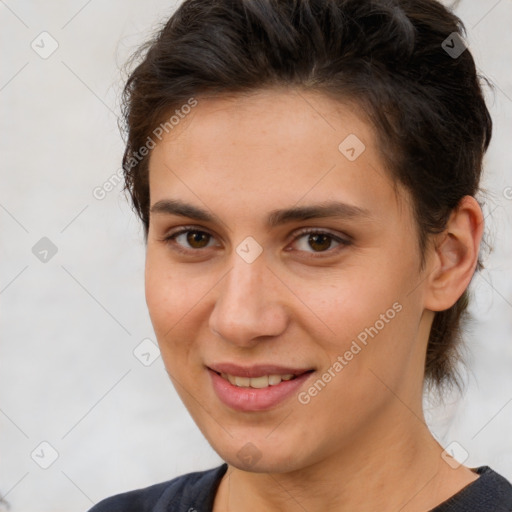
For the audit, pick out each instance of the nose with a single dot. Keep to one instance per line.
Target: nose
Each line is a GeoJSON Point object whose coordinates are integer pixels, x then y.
{"type": "Point", "coordinates": [249, 305]}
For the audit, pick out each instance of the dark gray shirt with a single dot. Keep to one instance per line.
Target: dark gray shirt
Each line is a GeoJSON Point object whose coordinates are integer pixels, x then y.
{"type": "Point", "coordinates": [195, 492]}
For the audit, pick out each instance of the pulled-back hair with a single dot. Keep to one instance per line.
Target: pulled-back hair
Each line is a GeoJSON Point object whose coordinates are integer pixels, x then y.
{"type": "Point", "coordinates": [387, 56]}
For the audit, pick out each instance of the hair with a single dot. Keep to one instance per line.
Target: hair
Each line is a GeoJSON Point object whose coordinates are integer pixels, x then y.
{"type": "Point", "coordinates": [386, 56]}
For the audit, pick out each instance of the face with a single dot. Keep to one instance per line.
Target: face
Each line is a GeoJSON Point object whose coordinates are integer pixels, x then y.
{"type": "Point", "coordinates": [274, 250]}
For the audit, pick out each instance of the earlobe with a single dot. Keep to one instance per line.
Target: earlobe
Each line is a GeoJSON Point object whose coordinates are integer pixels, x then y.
{"type": "Point", "coordinates": [454, 256]}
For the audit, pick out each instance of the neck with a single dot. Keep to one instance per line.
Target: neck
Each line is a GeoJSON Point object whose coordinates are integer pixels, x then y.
{"type": "Point", "coordinates": [400, 470]}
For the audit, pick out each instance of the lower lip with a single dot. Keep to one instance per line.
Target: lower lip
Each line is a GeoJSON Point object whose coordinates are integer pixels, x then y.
{"type": "Point", "coordinates": [252, 399]}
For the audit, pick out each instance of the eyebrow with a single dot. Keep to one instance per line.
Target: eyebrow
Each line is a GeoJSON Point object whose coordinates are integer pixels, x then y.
{"type": "Point", "coordinates": [275, 218]}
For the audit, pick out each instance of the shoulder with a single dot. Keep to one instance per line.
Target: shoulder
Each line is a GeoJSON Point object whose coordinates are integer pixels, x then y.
{"type": "Point", "coordinates": [193, 490]}
{"type": "Point", "coordinates": [489, 493]}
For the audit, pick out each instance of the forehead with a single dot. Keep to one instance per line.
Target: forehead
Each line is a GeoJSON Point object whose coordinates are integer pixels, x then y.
{"type": "Point", "coordinates": [278, 145]}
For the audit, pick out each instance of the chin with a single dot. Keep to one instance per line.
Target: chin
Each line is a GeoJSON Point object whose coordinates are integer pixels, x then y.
{"type": "Point", "coordinates": [261, 456]}
{"type": "Point", "coordinates": [265, 464]}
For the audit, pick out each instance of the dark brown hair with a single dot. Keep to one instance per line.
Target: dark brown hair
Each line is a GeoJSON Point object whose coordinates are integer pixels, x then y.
{"type": "Point", "coordinates": [391, 57]}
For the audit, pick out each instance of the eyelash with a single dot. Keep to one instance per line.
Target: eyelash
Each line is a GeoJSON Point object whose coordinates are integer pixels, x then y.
{"type": "Point", "coordinates": [343, 242]}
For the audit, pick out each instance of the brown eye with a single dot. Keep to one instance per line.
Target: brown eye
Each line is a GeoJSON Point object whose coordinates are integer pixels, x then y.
{"type": "Point", "coordinates": [187, 240]}
{"type": "Point", "coordinates": [316, 242]}
{"type": "Point", "coordinates": [198, 239]}
{"type": "Point", "coordinates": [320, 242]}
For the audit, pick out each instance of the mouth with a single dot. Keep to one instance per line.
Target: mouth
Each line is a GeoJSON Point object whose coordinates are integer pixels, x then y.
{"type": "Point", "coordinates": [257, 377]}
{"type": "Point", "coordinates": [259, 382]}
{"type": "Point", "coordinates": [256, 388]}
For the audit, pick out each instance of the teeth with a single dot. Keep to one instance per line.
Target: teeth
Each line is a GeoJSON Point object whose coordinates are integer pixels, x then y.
{"type": "Point", "coordinates": [257, 382]}
{"type": "Point", "coordinates": [274, 379]}
{"type": "Point", "coordinates": [240, 381]}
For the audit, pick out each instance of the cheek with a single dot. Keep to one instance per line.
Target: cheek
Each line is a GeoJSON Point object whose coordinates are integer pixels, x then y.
{"type": "Point", "coordinates": [178, 300]}
{"type": "Point", "coordinates": [167, 295]}
{"type": "Point", "coordinates": [169, 300]}
{"type": "Point", "coordinates": [363, 316]}
{"type": "Point", "coordinates": [353, 298]}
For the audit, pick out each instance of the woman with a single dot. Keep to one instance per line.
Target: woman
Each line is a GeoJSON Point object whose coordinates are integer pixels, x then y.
{"type": "Point", "coordinates": [306, 172]}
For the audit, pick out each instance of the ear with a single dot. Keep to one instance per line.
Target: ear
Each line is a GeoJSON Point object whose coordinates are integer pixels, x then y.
{"type": "Point", "coordinates": [454, 256]}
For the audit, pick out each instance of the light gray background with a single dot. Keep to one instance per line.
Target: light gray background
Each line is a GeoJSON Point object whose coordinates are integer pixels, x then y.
{"type": "Point", "coordinates": [68, 375]}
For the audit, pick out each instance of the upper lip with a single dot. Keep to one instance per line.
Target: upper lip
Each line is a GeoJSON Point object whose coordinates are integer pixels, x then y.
{"type": "Point", "coordinates": [257, 370]}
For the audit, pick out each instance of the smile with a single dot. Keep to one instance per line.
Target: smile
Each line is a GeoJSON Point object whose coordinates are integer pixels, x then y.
{"type": "Point", "coordinates": [257, 382]}
{"type": "Point", "coordinates": [256, 388]}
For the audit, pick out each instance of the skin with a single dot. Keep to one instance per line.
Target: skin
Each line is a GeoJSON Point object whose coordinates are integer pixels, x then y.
{"type": "Point", "coordinates": [361, 443]}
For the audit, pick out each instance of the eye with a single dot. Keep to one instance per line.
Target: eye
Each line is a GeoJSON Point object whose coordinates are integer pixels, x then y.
{"type": "Point", "coordinates": [189, 239]}
{"type": "Point", "coordinates": [319, 241]}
